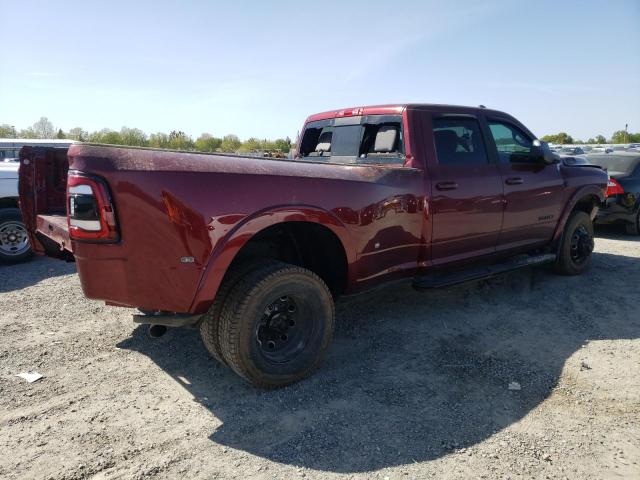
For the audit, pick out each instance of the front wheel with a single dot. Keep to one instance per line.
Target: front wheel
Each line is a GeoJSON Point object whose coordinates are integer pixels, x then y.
{"type": "Point", "coordinates": [576, 245]}
{"type": "Point", "coordinates": [14, 243]}
{"type": "Point", "coordinates": [276, 324]}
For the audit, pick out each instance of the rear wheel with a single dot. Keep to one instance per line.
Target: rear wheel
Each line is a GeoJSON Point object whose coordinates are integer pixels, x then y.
{"type": "Point", "coordinates": [276, 325]}
{"type": "Point", "coordinates": [14, 242]}
{"type": "Point", "coordinates": [209, 327]}
{"type": "Point", "coordinates": [576, 245]}
{"type": "Point", "coordinates": [634, 228]}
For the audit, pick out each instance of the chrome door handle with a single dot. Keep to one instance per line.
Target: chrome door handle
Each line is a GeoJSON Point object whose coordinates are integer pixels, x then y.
{"type": "Point", "coordinates": [446, 185]}
{"type": "Point", "coordinates": [514, 181]}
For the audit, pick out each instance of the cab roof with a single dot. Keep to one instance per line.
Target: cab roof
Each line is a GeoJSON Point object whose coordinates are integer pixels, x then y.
{"type": "Point", "coordinates": [396, 109]}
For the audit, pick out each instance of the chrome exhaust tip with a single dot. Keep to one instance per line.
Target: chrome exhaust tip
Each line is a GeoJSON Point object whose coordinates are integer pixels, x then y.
{"type": "Point", "coordinates": [156, 331]}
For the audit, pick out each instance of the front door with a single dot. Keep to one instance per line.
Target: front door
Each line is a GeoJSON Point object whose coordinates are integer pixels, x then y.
{"type": "Point", "coordinates": [533, 190]}
{"type": "Point", "coordinates": [466, 190]}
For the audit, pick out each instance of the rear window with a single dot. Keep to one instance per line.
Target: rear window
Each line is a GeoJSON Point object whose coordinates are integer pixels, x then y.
{"type": "Point", "coordinates": [368, 139]}
{"type": "Point", "coordinates": [619, 163]}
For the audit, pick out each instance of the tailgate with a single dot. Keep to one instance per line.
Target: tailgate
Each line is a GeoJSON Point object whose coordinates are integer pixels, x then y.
{"type": "Point", "coordinates": [42, 187]}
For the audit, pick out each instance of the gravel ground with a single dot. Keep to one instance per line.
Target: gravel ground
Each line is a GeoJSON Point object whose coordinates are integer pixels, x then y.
{"type": "Point", "coordinates": [415, 385]}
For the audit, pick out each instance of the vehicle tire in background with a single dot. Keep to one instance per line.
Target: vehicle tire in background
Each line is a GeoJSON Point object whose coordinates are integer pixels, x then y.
{"type": "Point", "coordinates": [634, 228]}
{"type": "Point", "coordinates": [14, 243]}
{"type": "Point", "coordinates": [276, 324]}
{"type": "Point", "coordinates": [209, 326]}
{"type": "Point", "coordinates": [576, 245]}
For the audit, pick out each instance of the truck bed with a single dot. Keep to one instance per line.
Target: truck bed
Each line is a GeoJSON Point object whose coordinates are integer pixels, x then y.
{"type": "Point", "coordinates": [54, 226]}
{"type": "Point", "coordinates": [43, 186]}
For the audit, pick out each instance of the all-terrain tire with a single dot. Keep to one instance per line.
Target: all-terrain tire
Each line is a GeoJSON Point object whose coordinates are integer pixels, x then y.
{"type": "Point", "coordinates": [210, 324]}
{"type": "Point", "coordinates": [576, 245]}
{"type": "Point", "coordinates": [13, 248]}
{"type": "Point", "coordinates": [634, 228]}
{"type": "Point", "coordinates": [276, 325]}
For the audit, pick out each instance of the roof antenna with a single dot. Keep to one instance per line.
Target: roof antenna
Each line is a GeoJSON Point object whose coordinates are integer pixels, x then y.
{"type": "Point", "coordinates": [482, 106]}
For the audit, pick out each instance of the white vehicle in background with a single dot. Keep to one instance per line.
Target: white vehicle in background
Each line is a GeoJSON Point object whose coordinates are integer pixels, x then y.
{"type": "Point", "coordinates": [14, 244]}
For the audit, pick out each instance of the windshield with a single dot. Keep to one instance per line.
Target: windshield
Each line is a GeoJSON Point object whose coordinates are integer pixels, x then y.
{"type": "Point", "coordinates": [8, 154]}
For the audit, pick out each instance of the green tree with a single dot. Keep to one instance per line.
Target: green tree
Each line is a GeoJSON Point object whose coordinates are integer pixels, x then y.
{"type": "Point", "coordinates": [561, 138]}
{"type": "Point", "coordinates": [283, 144]}
{"type": "Point", "coordinates": [133, 137]}
{"type": "Point", "coordinates": [620, 136]}
{"type": "Point", "coordinates": [208, 143]}
{"type": "Point", "coordinates": [8, 131]}
{"type": "Point", "coordinates": [159, 140]}
{"type": "Point", "coordinates": [28, 133]}
{"type": "Point", "coordinates": [178, 140]}
{"type": "Point", "coordinates": [43, 128]}
{"type": "Point", "coordinates": [599, 139]}
{"type": "Point", "coordinates": [78, 134]}
{"type": "Point", "coordinates": [61, 134]}
{"type": "Point", "coordinates": [110, 137]}
{"type": "Point", "coordinates": [230, 143]}
{"type": "Point", "coordinates": [250, 145]}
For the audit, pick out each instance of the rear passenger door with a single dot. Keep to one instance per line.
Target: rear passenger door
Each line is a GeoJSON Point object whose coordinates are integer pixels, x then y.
{"type": "Point", "coordinates": [533, 190]}
{"type": "Point", "coordinates": [466, 189]}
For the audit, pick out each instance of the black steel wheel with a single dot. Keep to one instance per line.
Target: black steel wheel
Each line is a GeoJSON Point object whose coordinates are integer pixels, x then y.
{"type": "Point", "coordinates": [581, 245]}
{"type": "Point", "coordinates": [276, 325]}
{"type": "Point", "coordinates": [633, 228]}
{"type": "Point", "coordinates": [283, 331]}
{"type": "Point", "coordinates": [576, 245]}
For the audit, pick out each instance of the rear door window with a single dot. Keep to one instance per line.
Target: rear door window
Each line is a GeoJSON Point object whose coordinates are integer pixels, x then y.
{"type": "Point", "coordinates": [459, 141]}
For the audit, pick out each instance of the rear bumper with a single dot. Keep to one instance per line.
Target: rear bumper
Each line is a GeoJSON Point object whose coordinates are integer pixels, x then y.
{"type": "Point", "coordinates": [613, 211]}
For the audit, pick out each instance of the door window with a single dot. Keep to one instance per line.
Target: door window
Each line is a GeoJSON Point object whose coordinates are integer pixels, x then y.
{"type": "Point", "coordinates": [510, 140]}
{"type": "Point", "coordinates": [459, 141]}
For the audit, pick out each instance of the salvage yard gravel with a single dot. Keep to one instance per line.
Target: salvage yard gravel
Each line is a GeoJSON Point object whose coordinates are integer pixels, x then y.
{"type": "Point", "coordinates": [526, 375]}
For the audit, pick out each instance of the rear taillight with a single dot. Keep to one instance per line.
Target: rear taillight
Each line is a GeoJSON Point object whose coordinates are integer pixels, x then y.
{"type": "Point", "coordinates": [614, 188]}
{"type": "Point", "coordinates": [90, 213]}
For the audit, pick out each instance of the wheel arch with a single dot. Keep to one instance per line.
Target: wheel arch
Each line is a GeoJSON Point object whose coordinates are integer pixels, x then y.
{"type": "Point", "coordinates": [299, 220]}
{"type": "Point", "coordinates": [585, 199]}
{"type": "Point", "coordinates": [8, 202]}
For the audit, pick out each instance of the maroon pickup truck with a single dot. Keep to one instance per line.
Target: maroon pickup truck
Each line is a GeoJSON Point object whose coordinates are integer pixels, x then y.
{"type": "Point", "coordinates": [254, 251]}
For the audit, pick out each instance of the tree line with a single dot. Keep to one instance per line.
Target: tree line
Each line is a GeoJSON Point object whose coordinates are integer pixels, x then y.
{"type": "Point", "coordinates": [178, 140]}
{"type": "Point", "coordinates": [175, 140]}
{"type": "Point", "coordinates": [619, 136]}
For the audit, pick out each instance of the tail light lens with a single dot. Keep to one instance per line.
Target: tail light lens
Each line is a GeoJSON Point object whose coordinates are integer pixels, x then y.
{"type": "Point", "coordinates": [90, 213]}
{"type": "Point", "coordinates": [614, 188]}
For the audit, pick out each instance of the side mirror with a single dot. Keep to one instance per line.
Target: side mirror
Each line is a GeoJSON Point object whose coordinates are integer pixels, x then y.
{"type": "Point", "coordinates": [542, 153]}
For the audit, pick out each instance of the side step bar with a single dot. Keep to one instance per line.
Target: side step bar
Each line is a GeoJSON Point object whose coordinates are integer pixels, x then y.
{"type": "Point", "coordinates": [438, 280]}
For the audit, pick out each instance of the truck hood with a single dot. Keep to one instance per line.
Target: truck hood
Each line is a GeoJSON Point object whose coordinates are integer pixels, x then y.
{"type": "Point", "coordinates": [577, 161]}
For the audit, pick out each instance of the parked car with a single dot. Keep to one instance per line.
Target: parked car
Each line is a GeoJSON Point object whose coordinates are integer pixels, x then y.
{"type": "Point", "coordinates": [571, 151]}
{"type": "Point", "coordinates": [622, 204]}
{"type": "Point", "coordinates": [254, 251]}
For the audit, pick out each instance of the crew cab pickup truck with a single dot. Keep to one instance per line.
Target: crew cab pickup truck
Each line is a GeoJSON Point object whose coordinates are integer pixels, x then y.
{"type": "Point", "coordinates": [254, 251]}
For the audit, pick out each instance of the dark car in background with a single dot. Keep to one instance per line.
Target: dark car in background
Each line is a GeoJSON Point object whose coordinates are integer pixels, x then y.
{"type": "Point", "coordinates": [622, 205]}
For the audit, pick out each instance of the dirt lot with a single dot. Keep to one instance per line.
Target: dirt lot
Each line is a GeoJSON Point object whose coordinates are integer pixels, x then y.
{"type": "Point", "coordinates": [414, 386]}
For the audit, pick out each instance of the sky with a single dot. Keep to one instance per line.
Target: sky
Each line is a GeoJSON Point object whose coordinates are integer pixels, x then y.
{"type": "Point", "coordinates": [258, 68]}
